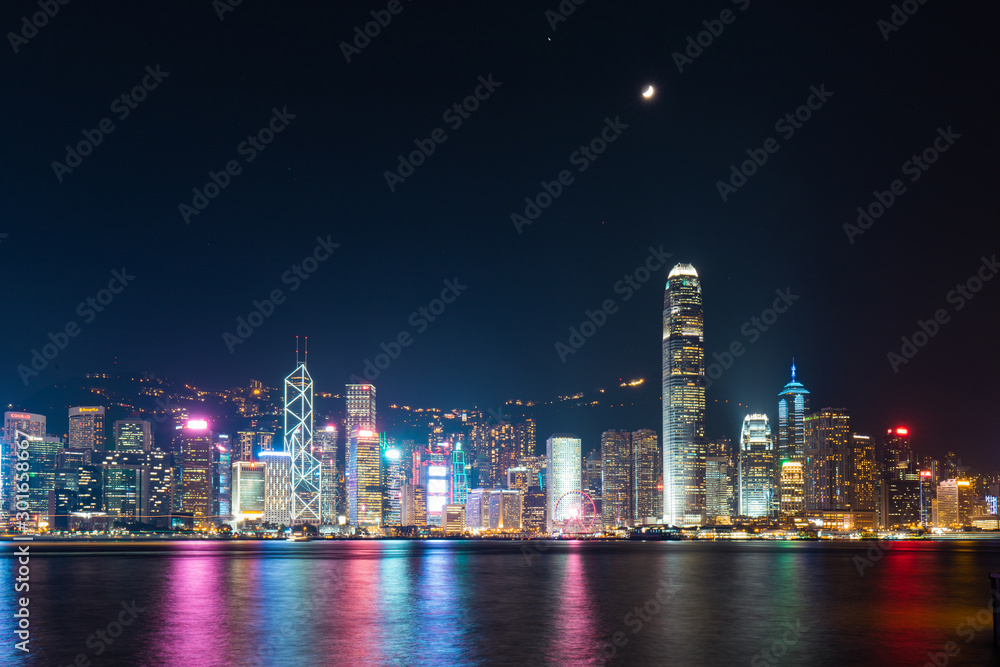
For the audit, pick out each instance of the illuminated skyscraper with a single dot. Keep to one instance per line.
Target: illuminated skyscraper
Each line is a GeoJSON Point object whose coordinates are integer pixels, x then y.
{"type": "Point", "coordinates": [222, 481]}
{"type": "Point", "coordinates": [793, 404]}
{"type": "Point", "coordinates": [562, 476]}
{"type": "Point", "coordinates": [325, 449]}
{"type": "Point", "coordinates": [306, 500]}
{"type": "Point", "coordinates": [756, 467]}
{"type": "Point", "coordinates": [717, 489]}
{"type": "Point", "coordinates": [277, 487]}
{"type": "Point", "coordinates": [360, 408]}
{"type": "Point", "coordinates": [393, 479]}
{"type": "Point", "coordinates": [196, 447]}
{"type": "Point", "coordinates": [43, 457]}
{"type": "Point", "coordinates": [646, 471]}
{"type": "Point", "coordinates": [827, 442]}
{"type": "Point", "coordinates": [248, 490]}
{"type": "Point", "coordinates": [86, 428]}
{"type": "Point", "coordinates": [459, 478]}
{"type": "Point", "coordinates": [364, 479]}
{"type": "Point", "coordinates": [250, 443]}
{"type": "Point", "coordinates": [792, 491]}
{"type": "Point", "coordinates": [683, 398]}
{"type": "Point", "coordinates": [524, 438]}
{"type": "Point", "coordinates": [617, 497]}
{"type": "Point", "coordinates": [133, 435]}
{"type": "Point", "coordinates": [31, 425]}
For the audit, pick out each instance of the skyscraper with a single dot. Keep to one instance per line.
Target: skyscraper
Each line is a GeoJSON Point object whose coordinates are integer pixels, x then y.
{"type": "Point", "coordinates": [360, 408]}
{"type": "Point", "coordinates": [683, 398]}
{"type": "Point", "coordinates": [827, 441]}
{"type": "Point", "coordinates": [277, 487]}
{"type": "Point", "coordinates": [793, 403]}
{"type": "Point", "coordinates": [616, 472]}
{"type": "Point", "coordinates": [197, 494]}
{"type": "Point", "coordinates": [393, 479]}
{"type": "Point", "coordinates": [364, 479]}
{"type": "Point", "coordinates": [248, 490]}
{"type": "Point", "coordinates": [756, 467]}
{"type": "Point", "coordinates": [31, 425]}
{"type": "Point", "coordinates": [717, 489]}
{"type": "Point", "coordinates": [133, 435]}
{"type": "Point", "coordinates": [306, 500]}
{"type": "Point", "coordinates": [562, 476]}
{"type": "Point", "coordinates": [646, 471]}
{"type": "Point", "coordinates": [86, 428]}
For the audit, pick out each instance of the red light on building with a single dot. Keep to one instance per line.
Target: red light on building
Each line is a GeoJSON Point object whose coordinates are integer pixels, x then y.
{"type": "Point", "coordinates": [925, 473]}
{"type": "Point", "coordinates": [902, 431]}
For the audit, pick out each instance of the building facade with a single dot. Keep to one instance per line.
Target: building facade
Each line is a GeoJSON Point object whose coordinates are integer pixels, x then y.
{"type": "Point", "coordinates": [683, 398]}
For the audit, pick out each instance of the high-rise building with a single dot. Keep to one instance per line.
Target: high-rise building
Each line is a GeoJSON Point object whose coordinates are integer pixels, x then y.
{"type": "Point", "coordinates": [723, 447]}
{"type": "Point", "coordinates": [31, 425]}
{"type": "Point", "coordinates": [454, 521]}
{"type": "Point", "coordinates": [414, 505]}
{"type": "Point", "coordinates": [756, 467]}
{"type": "Point", "coordinates": [249, 444]}
{"type": "Point", "coordinates": [364, 479]}
{"type": "Point", "coordinates": [86, 427]}
{"type": "Point", "coordinates": [197, 493]}
{"type": "Point", "coordinates": [161, 487]}
{"type": "Point", "coordinates": [828, 444]}
{"type": "Point", "coordinates": [618, 499]}
{"type": "Point", "coordinates": [717, 490]}
{"type": "Point", "coordinates": [306, 501]}
{"type": "Point", "coordinates": [683, 398]}
{"type": "Point", "coordinates": [592, 479]}
{"type": "Point", "coordinates": [360, 408]}
{"type": "Point", "coordinates": [126, 484]}
{"type": "Point", "coordinates": [43, 458]}
{"type": "Point", "coordinates": [477, 509]}
{"type": "Point", "coordinates": [793, 404]}
{"type": "Point", "coordinates": [524, 438]}
{"type": "Point", "coordinates": [133, 435]}
{"type": "Point", "coordinates": [222, 481]}
{"type": "Point", "coordinates": [325, 440]}
{"type": "Point", "coordinates": [562, 477]}
{"type": "Point", "coordinates": [948, 504]}
{"type": "Point", "coordinates": [792, 490]}
{"type": "Point", "coordinates": [277, 487]}
{"type": "Point", "coordinates": [248, 490]}
{"type": "Point", "coordinates": [533, 511]}
{"type": "Point", "coordinates": [646, 471]}
{"type": "Point", "coordinates": [393, 478]}
{"type": "Point", "coordinates": [861, 475]}
{"type": "Point", "coordinates": [459, 476]}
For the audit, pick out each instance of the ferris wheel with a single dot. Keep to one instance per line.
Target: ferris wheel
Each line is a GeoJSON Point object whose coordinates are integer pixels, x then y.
{"type": "Point", "coordinates": [575, 512]}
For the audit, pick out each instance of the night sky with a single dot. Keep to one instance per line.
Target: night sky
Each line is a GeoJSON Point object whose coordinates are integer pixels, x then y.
{"type": "Point", "coordinates": [553, 90]}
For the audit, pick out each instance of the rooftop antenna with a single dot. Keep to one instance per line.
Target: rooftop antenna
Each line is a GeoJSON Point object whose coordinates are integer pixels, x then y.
{"type": "Point", "coordinates": [296, 350]}
{"type": "Point", "coordinates": [793, 369]}
{"type": "Point", "coordinates": [306, 359]}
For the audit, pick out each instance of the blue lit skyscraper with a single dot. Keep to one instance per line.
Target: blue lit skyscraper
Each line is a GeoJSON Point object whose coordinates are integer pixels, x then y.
{"type": "Point", "coordinates": [793, 403]}
{"type": "Point", "coordinates": [683, 399]}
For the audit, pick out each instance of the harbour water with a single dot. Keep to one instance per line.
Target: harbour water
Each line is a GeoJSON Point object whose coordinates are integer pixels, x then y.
{"type": "Point", "coordinates": [205, 603]}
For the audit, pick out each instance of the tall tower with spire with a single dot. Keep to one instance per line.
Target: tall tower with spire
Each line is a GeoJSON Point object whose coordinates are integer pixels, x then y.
{"type": "Point", "coordinates": [683, 399]}
{"type": "Point", "coordinates": [793, 403]}
{"type": "Point", "coordinates": [305, 505]}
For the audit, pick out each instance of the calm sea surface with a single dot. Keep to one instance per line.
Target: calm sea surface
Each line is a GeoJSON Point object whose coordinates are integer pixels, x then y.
{"type": "Point", "coordinates": [484, 603]}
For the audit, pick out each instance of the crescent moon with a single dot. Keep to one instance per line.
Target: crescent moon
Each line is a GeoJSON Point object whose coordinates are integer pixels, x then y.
{"type": "Point", "coordinates": [648, 92]}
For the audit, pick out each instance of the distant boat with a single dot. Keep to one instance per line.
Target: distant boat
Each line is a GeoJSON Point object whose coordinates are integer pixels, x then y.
{"type": "Point", "coordinates": [297, 538]}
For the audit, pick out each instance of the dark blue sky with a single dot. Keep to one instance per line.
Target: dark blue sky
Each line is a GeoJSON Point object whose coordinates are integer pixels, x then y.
{"type": "Point", "coordinates": [655, 185]}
